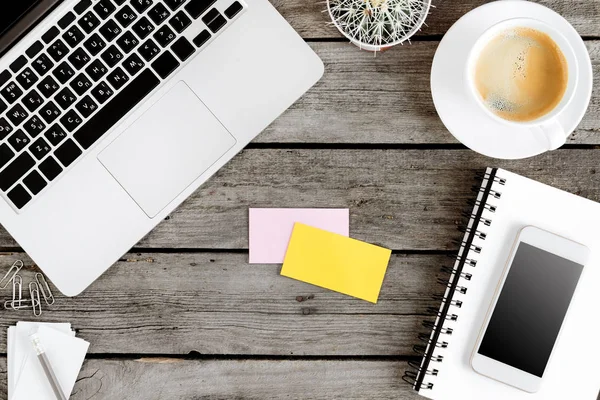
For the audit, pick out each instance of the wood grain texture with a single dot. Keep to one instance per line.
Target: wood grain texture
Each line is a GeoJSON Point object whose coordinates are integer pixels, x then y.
{"type": "Point", "coordinates": [216, 303]}
{"type": "Point", "coordinates": [311, 20]}
{"type": "Point", "coordinates": [400, 199]}
{"type": "Point", "coordinates": [386, 99]}
{"type": "Point", "coordinates": [170, 378]}
{"type": "Point", "coordinates": [189, 379]}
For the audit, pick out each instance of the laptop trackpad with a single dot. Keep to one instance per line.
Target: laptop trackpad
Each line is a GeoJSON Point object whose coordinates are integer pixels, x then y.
{"type": "Point", "coordinates": [166, 149]}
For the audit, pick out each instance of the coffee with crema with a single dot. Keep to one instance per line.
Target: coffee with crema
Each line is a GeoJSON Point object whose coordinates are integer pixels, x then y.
{"type": "Point", "coordinates": [521, 74]}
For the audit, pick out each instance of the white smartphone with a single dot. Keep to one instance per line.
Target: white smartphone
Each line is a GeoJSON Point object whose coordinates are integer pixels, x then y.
{"type": "Point", "coordinates": [529, 308]}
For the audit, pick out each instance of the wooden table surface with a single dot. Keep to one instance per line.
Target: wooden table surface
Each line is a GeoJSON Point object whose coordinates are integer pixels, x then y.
{"type": "Point", "coordinates": [184, 316]}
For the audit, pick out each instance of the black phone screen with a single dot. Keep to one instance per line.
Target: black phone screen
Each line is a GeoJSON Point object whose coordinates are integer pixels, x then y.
{"type": "Point", "coordinates": [530, 309]}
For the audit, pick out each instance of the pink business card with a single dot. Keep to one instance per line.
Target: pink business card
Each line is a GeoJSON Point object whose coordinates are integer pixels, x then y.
{"type": "Point", "coordinates": [271, 228]}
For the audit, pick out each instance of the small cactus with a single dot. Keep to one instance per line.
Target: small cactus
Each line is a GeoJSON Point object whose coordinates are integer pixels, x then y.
{"type": "Point", "coordinates": [376, 24]}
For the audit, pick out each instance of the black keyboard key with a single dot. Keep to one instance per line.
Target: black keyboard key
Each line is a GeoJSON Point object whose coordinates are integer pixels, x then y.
{"type": "Point", "coordinates": [34, 182]}
{"type": "Point", "coordinates": [73, 36]}
{"type": "Point", "coordinates": [95, 44]}
{"type": "Point", "coordinates": [19, 63]}
{"type": "Point", "coordinates": [11, 92]}
{"type": "Point", "coordinates": [233, 9]}
{"type": "Point", "coordinates": [79, 58]}
{"type": "Point", "coordinates": [55, 134]}
{"type": "Point", "coordinates": [27, 78]}
{"type": "Point", "coordinates": [80, 84]}
{"type": "Point", "coordinates": [165, 64]}
{"type": "Point", "coordinates": [50, 112]}
{"type": "Point", "coordinates": [202, 38]}
{"type": "Point", "coordinates": [39, 148]}
{"type": "Point", "coordinates": [71, 120]}
{"type": "Point", "coordinates": [214, 20]}
{"type": "Point", "coordinates": [96, 70]}
{"type": "Point", "coordinates": [125, 16]}
{"type": "Point", "coordinates": [110, 30]}
{"type": "Point", "coordinates": [104, 8]}
{"type": "Point", "coordinates": [158, 13]}
{"type": "Point", "coordinates": [127, 42]}
{"type": "Point", "coordinates": [67, 152]}
{"type": "Point", "coordinates": [19, 196]}
{"type": "Point", "coordinates": [15, 170]}
{"type": "Point", "coordinates": [117, 78]}
{"type": "Point", "coordinates": [17, 114]}
{"type": "Point", "coordinates": [34, 126]}
{"type": "Point", "coordinates": [102, 92]}
{"type": "Point", "coordinates": [198, 7]}
{"type": "Point", "coordinates": [48, 86]}
{"type": "Point", "coordinates": [33, 100]}
{"type": "Point", "coordinates": [42, 64]}
{"type": "Point", "coordinates": [174, 4]}
{"type": "Point", "coordinates": [141, 5]}
{"type": "Point", "coordinates": [180, 21]}
{"type": "Point", "coordinates": [66, 20]}
{"type": "Point", "coordinates": [112, 56]}
{"type": "Point", "coordinates": [63, 72]}
{"type": "Point", "coordinates": [5, 128]}
{"type": "Point", "coordinates": [89, 22]}
{"type": "Point", "coordinates": [82, 6]}
{"type": "Point", "coordinates": [143, 27]}
{"type": "Point", "coordinates": [116, 108]}
{"type": "Point", "coordinates": [6, 154]}
{"type": "Point", "coordinates": [3, 106]}
{"type": "Point", "coordinates": [119, 2]}
{"type": "Point", "coordinates": [183, 48]}
{"type": "Point", "coordinates": [133, 64]}
{"type": "Point", "coordinates": [149, 50]}
{"type": "Point", "coordinates": [4, 77]}
{"type": "Point", "coordinates": [86, 106]}
{"type": "Point", "coordinates": [34, 49]}
{"type": "Point", "coordinates": [18, 140]}
{"type": "Point", "coordinates": [164, 35]}
{"type": "Point", "coordinates": [50, 168]}
{"type": "Point", "coordinates": [58, 50]}
{"type": "Point", "coordinates": [50, 35]}
{"type": "Point", "coordinates": [65, 98]}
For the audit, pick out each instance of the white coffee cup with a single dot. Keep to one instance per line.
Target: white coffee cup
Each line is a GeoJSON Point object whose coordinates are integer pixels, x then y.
{"type": "Point", "coordinates": [547, 128]}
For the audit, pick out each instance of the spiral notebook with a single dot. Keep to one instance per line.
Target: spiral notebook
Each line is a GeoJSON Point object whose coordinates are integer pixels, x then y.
{"type": "Point", "coordinates": [506, 203]}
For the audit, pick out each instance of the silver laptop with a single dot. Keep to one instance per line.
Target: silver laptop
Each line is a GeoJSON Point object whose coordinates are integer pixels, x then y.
{"type": "Point", "coordinates": [112, 112]}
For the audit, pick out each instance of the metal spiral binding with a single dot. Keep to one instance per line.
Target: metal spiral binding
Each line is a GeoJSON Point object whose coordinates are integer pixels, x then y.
{"type": "Point", "coordinates": [441, 297]}
{"type": "Point", "coordinates": [433, 340]}
{"type": "Point", "coordinates": [464, 275]}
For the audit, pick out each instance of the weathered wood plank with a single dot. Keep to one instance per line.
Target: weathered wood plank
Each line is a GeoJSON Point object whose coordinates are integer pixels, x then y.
{"type": "Point", "coordinates": [168, 378]}
{"type": "Point", "coordinates": [401, 199]}
{"type": "Point", "coordinates": [190, 379]}
{"type": "Point", "coordinates": [385, 99]}
{"type": "Point", "coordinates": [311, 22]}
{"type": "Point", "coordinates": [215, 303]}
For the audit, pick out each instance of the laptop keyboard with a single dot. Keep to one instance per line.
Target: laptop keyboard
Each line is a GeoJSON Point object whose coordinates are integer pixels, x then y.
{"type": "Point", "coordinates": [84, 74]}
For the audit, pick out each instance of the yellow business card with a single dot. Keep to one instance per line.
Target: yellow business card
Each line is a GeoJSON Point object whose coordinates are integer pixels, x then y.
{"type": "Point", "coordinates": [336, 262]}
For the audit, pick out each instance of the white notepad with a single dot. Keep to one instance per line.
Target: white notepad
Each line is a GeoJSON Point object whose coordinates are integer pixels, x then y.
{"type": "Point", "coordinates": [572, 372]}
{"type": "Point", "coordinates": [20, 345]}
{"type": "Point", "coordinates": [66, 353]}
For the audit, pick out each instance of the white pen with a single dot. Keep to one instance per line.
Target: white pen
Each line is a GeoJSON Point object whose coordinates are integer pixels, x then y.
{"type": "Point", "coordinates": [41, 353]}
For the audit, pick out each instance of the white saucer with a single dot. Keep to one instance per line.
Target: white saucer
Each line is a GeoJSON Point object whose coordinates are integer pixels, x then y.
{"type": "Point", "coordinates": [459, 112]}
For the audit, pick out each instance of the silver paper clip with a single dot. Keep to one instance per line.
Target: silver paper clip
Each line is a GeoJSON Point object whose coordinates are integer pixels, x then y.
{"type": "Point", "coordinates": [44, 288]}
{"type": "Point", "coordinates": [14, 270]}
{"type": "Point", "coordinates": [34, 291]}
{"type": "Point", "coordinates": [17, 305]}
{"type": "Point", "coordinates": [17, 289]}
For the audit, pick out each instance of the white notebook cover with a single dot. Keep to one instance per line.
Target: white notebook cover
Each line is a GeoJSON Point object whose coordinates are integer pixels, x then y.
{"type": "Point", "coordinates": [573, 371]}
